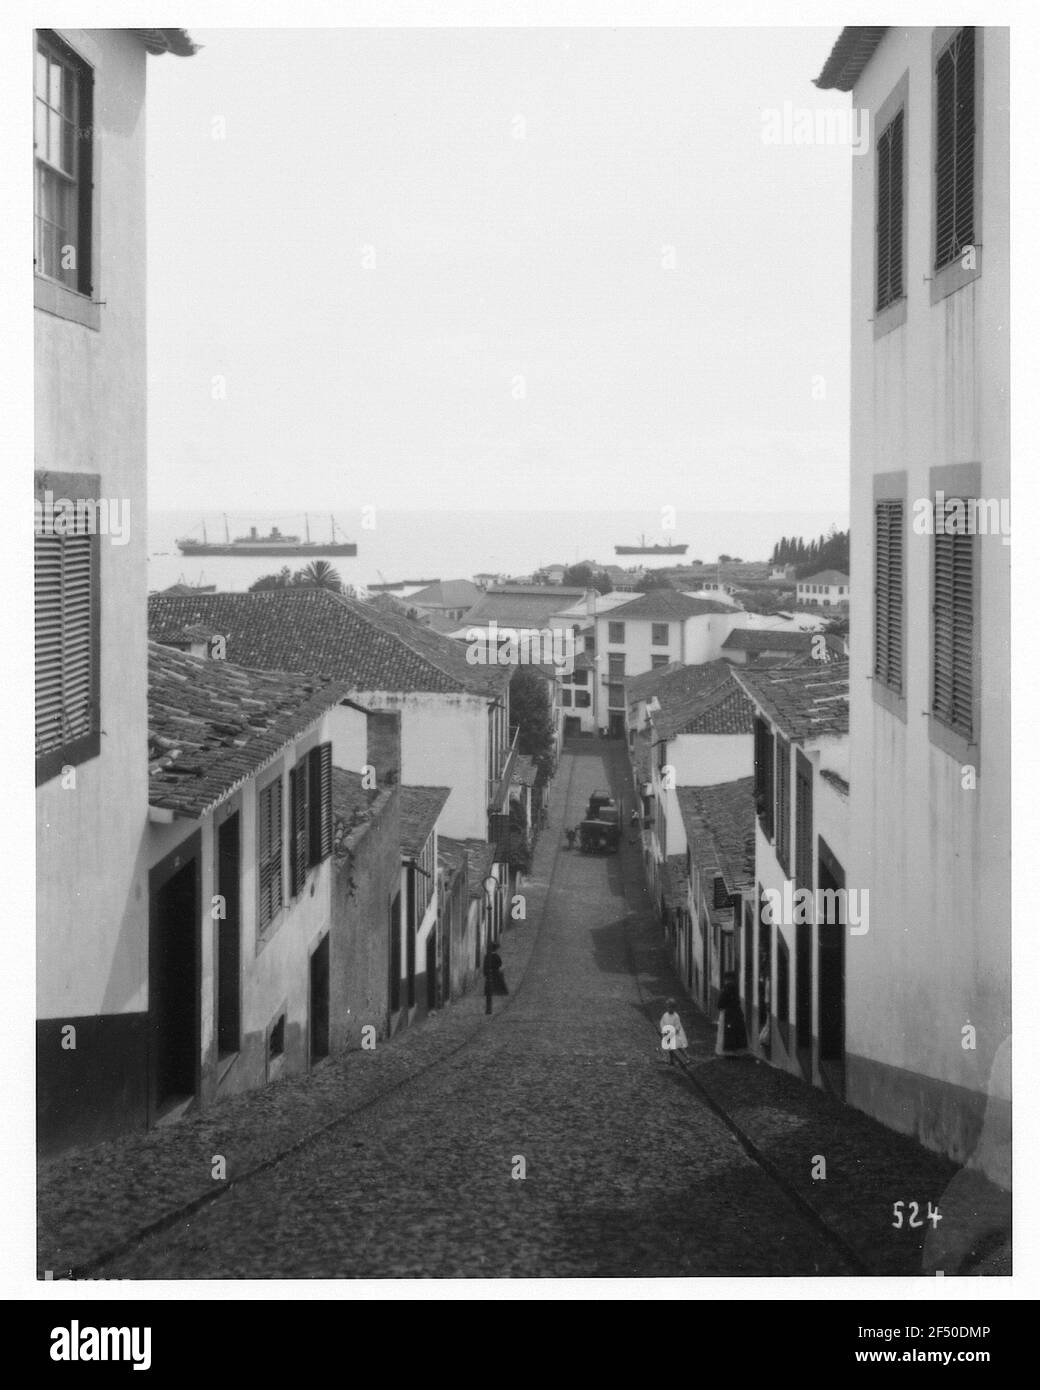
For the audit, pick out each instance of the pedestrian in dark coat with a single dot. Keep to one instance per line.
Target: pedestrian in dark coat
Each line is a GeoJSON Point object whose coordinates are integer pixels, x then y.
{"type": "Point", "coordinates": [731, 1038]}
{"type": "Point", "coordinates": [493, 969]}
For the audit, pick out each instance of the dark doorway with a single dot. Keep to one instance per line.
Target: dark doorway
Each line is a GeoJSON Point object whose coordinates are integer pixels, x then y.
{"type": "Point", "coordinates": [765, 979]}
{"type": "Point", "coordinates": [431, 969]}
{"type": "Point", "coordinates": [749, 960]}
{"type": "Point", "coordinates": [395, 953]}
{"type": "Point", "coordinates": [229, 937]}
{"type": "Point", "coordinates": [803, 997]}
{"type": "Point", "coordinates": [831, 969]}
{"type": "Point", "coordinates": [320, 1000]}
{"type": "Point", "coordinates": [174, 982]}
{"type": "Point", "coordinates": [617, 726]}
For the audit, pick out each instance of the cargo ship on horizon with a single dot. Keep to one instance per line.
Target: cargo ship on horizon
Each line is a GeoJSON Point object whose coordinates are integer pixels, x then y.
{"type": "Point", "coordinates": [643, 549]}
{"type": "Point", "coordinates": [274, 544]}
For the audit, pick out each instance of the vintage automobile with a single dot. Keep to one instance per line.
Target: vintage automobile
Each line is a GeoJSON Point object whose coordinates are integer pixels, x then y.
{"type": "Point", "coordinates": [600, 831]}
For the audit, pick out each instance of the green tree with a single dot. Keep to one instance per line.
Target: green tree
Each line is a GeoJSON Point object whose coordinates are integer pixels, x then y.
{"type": "Point", "coordinates": [282, 580]}
{"type": "Point", "coordinates": [530, 710]}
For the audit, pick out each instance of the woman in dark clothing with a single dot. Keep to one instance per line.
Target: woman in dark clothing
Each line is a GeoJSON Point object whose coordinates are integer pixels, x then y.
{"type": "Point", "coordinates": [493, 967]}
{"type": "Point", "coordinates": [731, 1039]}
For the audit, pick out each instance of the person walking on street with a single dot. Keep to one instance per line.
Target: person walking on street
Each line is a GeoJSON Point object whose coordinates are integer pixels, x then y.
{"type": "Point", "coordinates": [493, 969]}
{"type": "Point", "coordinates": [673, 1038]}
{"type": "Point", "coordinates": [731, 1037]}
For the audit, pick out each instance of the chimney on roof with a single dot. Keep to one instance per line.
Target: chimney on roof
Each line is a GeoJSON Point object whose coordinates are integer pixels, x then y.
{"type": "Point", "coordinates": [384, 745]}
{"type": "Point", "coordinates": [590, 602]}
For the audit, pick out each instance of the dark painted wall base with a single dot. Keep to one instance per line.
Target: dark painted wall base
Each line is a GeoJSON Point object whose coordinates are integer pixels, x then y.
{"type": "Point", "coordinates": [95, 1090]}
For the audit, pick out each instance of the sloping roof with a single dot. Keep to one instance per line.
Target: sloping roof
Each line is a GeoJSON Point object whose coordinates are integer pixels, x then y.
{"type": "Point", "coordinates": [351, 803]}
{"type": "Point", "coordinates": [836, 780]}
{"type": "Point", "coordinates": [675, 886]}
{"type": "Point", "coordinates": [176, 41]}
{"type": "Point", "coordinates": [720, 827]}
{"type": "Point", "coordinates": [805, 703]}
{"type": "Point", "coordinates": [212, 726]}
{"type": "Point", "coordinates": [446, 593]}
{"type": "Point", "coordinates": [521, 605]}
{"type": "Point", "coordinates": [722, 708]}
{"type": "Point", "coordinates": [664, 605]}
{"type": "Point", "coordinates": [826, 577]}
{"type": "Point", "coordinates": [477, 855]}
{"type": "Point", "coordinates": [524, 770]}
{"type": "Point", "coordinates": [318, 631]}
{"type": "Point", "coordinates": [420, 807]}
{"type": "Point", "coordinates": [851, 53]}
{"type": "Point", "coordinates": [767, 640]}
{"type": "Point", "coordinates": [675, 680]}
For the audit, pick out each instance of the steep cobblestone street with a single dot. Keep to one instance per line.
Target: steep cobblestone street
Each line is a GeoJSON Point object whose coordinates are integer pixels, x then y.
{"type": "Point", "coordinates": [548, 1140]}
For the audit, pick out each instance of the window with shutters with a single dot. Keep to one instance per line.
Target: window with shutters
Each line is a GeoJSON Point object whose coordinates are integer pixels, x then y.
{"type": "Point", "coordinates": [269, 853]}
{"type": "Point", "coordinates": [67, 617]}
{"type": "Point", "coordinates": [764, 776]}
{"type": "Point", "coordinates": [889, 606]}
{"type": "Point", "coordinates": [616, 633]}
{"type": "Point", "coordinates": [953, 626]}
{"type": "Point", "coordinates": [955, 154]}
{"type": "Point", "coordinates": [659, 634]}
{"type": "Point", "coordinates": [310, 799]}
{"type": "Point", "coordinates": [62, 143]}
{"type": "Point", "coordinates": [783, 803]}
{"type": "Point", "coordinates": [890, 213]}
{"type": "Point", "coordinates": [803, 844]}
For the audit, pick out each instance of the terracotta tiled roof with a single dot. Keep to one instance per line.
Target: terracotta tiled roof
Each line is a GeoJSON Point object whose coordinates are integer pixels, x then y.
{"type": "Point", "coordinates": [851, 53]}
{"type": "Point", "coordinates": [667, 605]}
{"type": "Point", "coordinates": [826, 577]}
{"type": "Point", "coordinates": [675, 680]}
{"type": "Point", "coordinates": [330, 635]}
{"type": "Point", "coordinates": [353, 805]}
{"type": "Point", "coordinates": [804, 703]}
{"type": "Point", "coordinates": [176, 41]}
{"type": "Point", "coordinates": [420, 807]}
{"type": "Point", "coordinates": [446, 593]}
{"type": "Point", "coordinates": [478, 855]}
{"type": "Point", "coordinates": [212, 726]}
{"type": "Point", "coordinates": [521, 605]}
{"type": "Point", "coordinates": [767, 640]}
{"type": "Point", "coordinates": [524, 770]}
{"type": "Point", "coordinates": [720, 827]}
{"type": "Point", "coordinates": [720, 709]}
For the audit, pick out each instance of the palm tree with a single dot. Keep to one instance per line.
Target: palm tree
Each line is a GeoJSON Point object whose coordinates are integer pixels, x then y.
{"type": "Point", "coordinates": [319, 574]}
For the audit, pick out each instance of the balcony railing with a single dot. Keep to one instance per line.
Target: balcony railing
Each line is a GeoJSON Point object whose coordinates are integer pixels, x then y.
{"type": "Point", "coordinates": [502, 762]}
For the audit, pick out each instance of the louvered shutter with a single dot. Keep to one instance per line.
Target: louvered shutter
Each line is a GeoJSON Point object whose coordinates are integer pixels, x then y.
{"type": "Point", "coordinates": [953, 686]}
{"type": "Point", "coordinates": [299, 852]}
{"type": "Point", "coordinates": [803, 867]}
{"type": "Point", "coordinates": [321, 802]}
{"type": "Point", "coordinates": [890, 213]}
{"type": "Point", "coordinates": [764, 775]}
{"type": "Point", "coordinates": [66, 639]}
{"type": "Point", "coordinates": [270, 815]}
{"type": "Point", "coordinates": [888, 594]}
{"type": "Point", "coordinates": [783, 803]}
{"type": "Point", "coordinates": [955, 148]}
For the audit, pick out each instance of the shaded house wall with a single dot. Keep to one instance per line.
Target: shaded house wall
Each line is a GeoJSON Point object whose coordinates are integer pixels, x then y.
{"type": "Point", "coordinates": [931, 394]}
{"type": "Point", "coordinates": [366, 880]}
{"type": "Point", "coordinates": [274, 964]}
{"type": "Point", "coordinates": [92, 875]}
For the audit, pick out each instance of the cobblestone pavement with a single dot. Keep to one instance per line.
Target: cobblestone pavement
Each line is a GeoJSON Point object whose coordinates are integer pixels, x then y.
{"type": "Point", "coordinates": [407, 1161]}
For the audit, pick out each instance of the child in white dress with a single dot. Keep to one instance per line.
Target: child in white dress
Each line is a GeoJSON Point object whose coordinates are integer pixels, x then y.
{"type": "Point", "coordinates": [672, 1035]}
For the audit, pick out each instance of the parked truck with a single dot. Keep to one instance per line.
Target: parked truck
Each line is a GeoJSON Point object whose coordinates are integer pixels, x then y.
{"type": "Point", "coordinates": [600, 831]}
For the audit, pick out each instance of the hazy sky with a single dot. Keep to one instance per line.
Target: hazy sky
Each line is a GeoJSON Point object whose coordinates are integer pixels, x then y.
{"type": "Point", "coordinates": [480, 267]}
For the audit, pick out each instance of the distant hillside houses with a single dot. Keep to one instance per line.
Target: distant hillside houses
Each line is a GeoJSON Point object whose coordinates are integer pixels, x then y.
{"type": "Point", "coordinates": [827, 589]}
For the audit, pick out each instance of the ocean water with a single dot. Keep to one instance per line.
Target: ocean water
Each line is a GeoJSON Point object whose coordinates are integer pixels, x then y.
{"type": "Point", "coordinates": [456, 545]}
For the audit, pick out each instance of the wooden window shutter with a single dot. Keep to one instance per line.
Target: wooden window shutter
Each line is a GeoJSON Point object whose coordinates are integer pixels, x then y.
{"type": "Point", "coordinates": [955, 148]}
{"type": "Point", "coordinates": [321, 803]}
{"type": "Point", "coordinates": [270, 818]}
{"type": "Point", "coordinates": [888, 594]}
{"type": "Point", "coordinates": [299, 795]}
{"type": "Point", "coordinates": [803, 868]}
{"type": "Point", "coordinates": [953, 630]}
{"type": "Point", "coordinates": [66, 639]}
{"type": "Point", "coordinates": [890, 213]}
{"type": "Point", "coordinates": [783, 803]}
{"type": "Point", "coordinates": [764, 775]}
